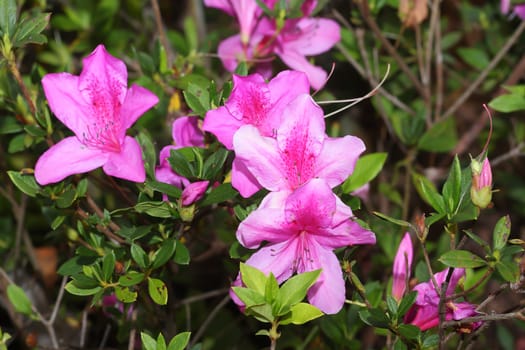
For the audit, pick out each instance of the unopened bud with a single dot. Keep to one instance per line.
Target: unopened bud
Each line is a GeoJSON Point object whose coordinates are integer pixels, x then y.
{"type": "Point", "coordinates": [72, 234]}
{"type": "Point", "coordinates": [481, 190]}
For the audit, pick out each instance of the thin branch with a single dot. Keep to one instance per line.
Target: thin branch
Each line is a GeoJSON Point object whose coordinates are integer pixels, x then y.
{"type": "Point", "coordinates": [202, 296]}
{"type": "Point", "coordinates": [206, 322]}
{"type": "Point", "coordinates": [518, 315]}
{"type": "Point", "coordinates": [501, 53]}
{"type": "Point", "coordinates": [160, 29]}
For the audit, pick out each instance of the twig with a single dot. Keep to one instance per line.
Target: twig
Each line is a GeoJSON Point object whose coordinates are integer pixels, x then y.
{"type": "Point", "coordinates": [206, 322]}
{"type": "Point", "coordinates": [20, 213]}
{"type": "Point", "coordinates": [27, 96]}
{"type": "Point", "coordinates": [518, 315]}
{"type": "Point", "coordinates": [442, 308]}
{"type": "Point", "coordinates": [160, 29]}
{"type": "Point", "coordinates": [83, 329]}
{"type": "Point", "coordinates": [202, 296]}
{"type": "Point", "coordinates": [439, 71]}
{"type": "Point", "coordinates": [492, 296]}
{"type": "Point", "coordinates": [514, 152]}
{"type": "Point", "coordinates": [501, 53]}
{"type": "Point", "coordinates": [103, 229]}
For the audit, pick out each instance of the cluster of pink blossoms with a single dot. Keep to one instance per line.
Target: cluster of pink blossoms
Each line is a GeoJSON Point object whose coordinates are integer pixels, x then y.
{"type": "Point", "coordinates": [425, 311]}
{"type": "Point", "coordinates": [262, 37]}
{"type": "Point", "coordinates": [278, 136]}
{"type": "Point", "coordinates": [518, 10]}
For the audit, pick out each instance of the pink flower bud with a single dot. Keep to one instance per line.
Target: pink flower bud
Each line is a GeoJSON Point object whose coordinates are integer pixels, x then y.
{"type": "Point", "coordinates": [481, 190]}
{"type": "Point", "coordinates": [401, 269]}
{"type": "Point", "coordinates": [193, 192]}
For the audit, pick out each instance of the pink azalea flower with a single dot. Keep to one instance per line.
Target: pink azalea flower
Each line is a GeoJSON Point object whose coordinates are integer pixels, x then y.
{"type": "Point", "coordinates": [425, 311]}
{"type": "Point", "coordinates": [98, 107]}
{"type": "Point", "coordinates": [301, 236]}
{"type": "Point", "coordinates": [402, 265]}
{"type": "Point", "coordinates": [193, 192]}
{"type": "Point", "coordinates": [246, 12]}
{"type": "Point", "coordinates": [519, 10]}
{"type": "Point", "coordinates": [255, 102]}
{"type": "Point", "coordinates": [300, 151]}
{"type": "Point", "coordinates": [186, 133]}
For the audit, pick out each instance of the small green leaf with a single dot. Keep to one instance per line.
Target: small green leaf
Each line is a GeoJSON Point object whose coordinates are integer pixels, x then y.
{"type": "Point", "coordinates": [301, 313]}
{"type": "Point", "coordinates": [131, 278]}
{"type": "Point", "coordinates": [374, 317]}
{"type": "Point", "coordinates": [168, 189]}
{"type": "Point", "coordinates": [139, 255]}
{"type": "Point", "coordinates": [182, 254]}
{"type": "Point", "coordinates": [19, 299]}
{"type": "Point", "coordinates": [156, 209]}
{"type": "Point", "coordinates": [108, 266]}
{"type": "Point", "coordinates": [461, 258]}
{"type": "Point", "coordinates": [198, 98]}
{"type": "Point", "coordinates": [398, 222]}
{"type": "Point", "coordinates": [248, 296]}
{"type": "Point", "coordinates": [73, 289]}
{"type": "Point", "coordinates": [409, 331]}
{"type": "Point", "coordinates": [161, 342]}
{"type": "Point", "coordinates": [501, 233]}
{"type": "Point", "coordinates": [25, 183]}
{"type": "Point", "coordinates": [405, 304]}
{"type": "Point", "coordinates": [427, 191]}
{"type": "Point", "coordinates": [441, 137]}
{"type": "Point", "coordinates": [29, 29]}
{"type": "Point", "coordinates": [509, 270]}
{"type": "Point", "coordinates": [148, 342]}
{"type": "Point", "coordinates": [134, 232]}
{"type": "Point", "coordinates": [271, 289]}
{"type": "Point", "coordinates": [7, 17]}
{"type": "Point", "coordinates": [261, 312]}
{"type": "Point", "coordinates": [214, 164]}
{"type": "Point", "coordinates": [180, 341]}
{"type": "Point", "coordinates": [164, 253]}
{"type": "Point", "coordinates": [219, 194]}
{"type": "Point", "coordinates": [157, 291]}
{"type": "Point", "coordinates": [474, 57]}
{"type": "Point", "coordinates": [253, 278]}
{"type": "Point", "coordinates": [294, 290]}
{"type": "Point", "coordinates": [125, 295]}
{"type": "Point", "coordinates": [366, 169]}
{"type": "Point", "coordinates": [478, 240]}
{"type": "Point", "coordinates": [391, 304]}
{"type": "Point", "coordinates": [508, 103]}
{"type": "Point", "coordinates": [452, 187]}
{"type": "Point", "coordinates": [148, 151]}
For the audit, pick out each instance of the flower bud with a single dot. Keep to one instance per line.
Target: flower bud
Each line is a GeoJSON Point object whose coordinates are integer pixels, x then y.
{"type": "Point", "coordinates": [481, 190]}
{"type": "Point", "coordinates": [193, 192]}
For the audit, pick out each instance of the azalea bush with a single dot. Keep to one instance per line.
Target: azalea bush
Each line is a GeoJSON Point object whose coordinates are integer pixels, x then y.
{"type": "Point", "coordinates": [246, 174]}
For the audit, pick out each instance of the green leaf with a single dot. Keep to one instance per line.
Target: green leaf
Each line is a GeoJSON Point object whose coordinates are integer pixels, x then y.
{"type": "Point", "coordinates": [66, 198]}
{"type": "Point", "coordinates": [181, 164]}
{"type": "Point", "coordinates": [508, 270]}
{"type": "Point", "coordinates": [158, 209]}
{"type": "Point", "coordinates": [164, 253]}
{"type": "Point", "coordinates": [25, 183]}
{"type": "Point", "coordinates": [501, 233]}
{"type": "Point", "coordinates": [366, 169]}
{"type": "Point", "coordinates": [139, 255]}
{"type": "Point", "coordinates": [198, 98]}
{"type": "Point", "coordinates": [219, 194]}
{"type": "Point", "coordinates": [452, 187]}
{"type": "Point", "coordinates": [461, 258]}
{"type": "Point", "coordinates": [182, 254]}
{"type": "Point", "coordinates": [271, 289]}
{"type": "Point", "coordinates": [248, 296]}
{"type": "Point", "coordinates": [161, 187]}
{"type": "Point", "coordinates": [29, 29]}
{"type": "Point", "coordinates": [148, 151]}
{"type": "Point", "coordinates": [409, 331]}
{"type": "Point", "coordinates": [398, 222]}
{"type": "Point", "coordinates": [131, 278]}
{"type": "Point", "coordinates": [74, 265]}
{"type": "Point", "coordinates": [19, 299]}
{"type": "Point", "coordinates": [73, 289]}
{"type": "Point", "coordinates": [214, 164]}
{"type": "Point", "coordinates": [374, 317]}
{"type": "Point", "coordinates": [405, 304]}
{"type": "Point", "coordinates": [474, 57]}
{"type": "Point", "coordinates": [441, 137]}
{"type": "Point", "coordinates": [7, 16]}
{"type": "Point", "coordinates": [125, 295]}
{"type": "Point", "coordinates": [301, 313]}
{"type": "Point", "coordinates": [262, 312]}
{"type": "Point", "coordinates": [391, 304]}
{"type": "Point", "coordinates": [157, 291]}
{"type": "Point", "coordinates": [180, 341]}
{"type": "Point", "coordinates": [478, 240]}
{"type": "Point", "coordinates": [294, 290]}
{"type": "Point", "coordinates": [148, 342]}
{"type": "Point", "coordinates": [427, 191]}
{"type": "Point", "coordinates": [108, 266]}
{"type": "Point", "coordinates": [253, 278]}
{"type": "Point", "coordinates": [134, 232]}
{"type": "Point", "coordinates": [508, 103]}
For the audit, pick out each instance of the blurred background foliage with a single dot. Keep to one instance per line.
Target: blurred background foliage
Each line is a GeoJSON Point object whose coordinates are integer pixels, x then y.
{"type": "Point", "coordinates": [421, 120]}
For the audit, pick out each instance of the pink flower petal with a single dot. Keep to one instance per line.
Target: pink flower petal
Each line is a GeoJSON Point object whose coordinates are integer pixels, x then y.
{"type": "Point", "coordinates": [402, 265]}
{"type": "Point", "coordinates": [65, 158]}
{"type": "Point", "coordinates": [221, 123]}
{"type": "Point", "coordinates": [186, 132]}
{"type": "Point", "coordinates": [295, 60]}
{"type": "Point", "coordinates": [519, 10]}
{"type": "Point", "coordinates": [311, 205]}
{"type": "Point", "coordinates": [127, 164]}
{"type": "Point", "coordinates": [224, 5]}
{"type": "Point", "coordinates": [261, 157]}
{"type": "Point", "coordinates": [231, 52]}
{"type": "Point", "coordinates": [328, 293]}
{"type": "Point", "coordinates": [263, 224]}
{"type": "Point", "coordinates": [68, 105]}
{"type": "Point", "coordinates": [276, 258]}
{"type": "Point", "coordinates": [243, 180]}
{"type": "Point", "coordinates": [311, 36]}
{"type": "Point", "coordinates": [138, 100]}
{"type": "Point", "coordinates": [337, 159]}
{"type": "Point", "coordinates": [193, 192]}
